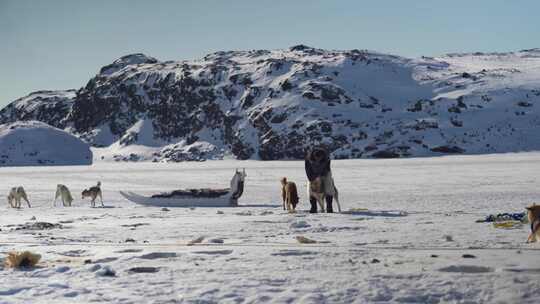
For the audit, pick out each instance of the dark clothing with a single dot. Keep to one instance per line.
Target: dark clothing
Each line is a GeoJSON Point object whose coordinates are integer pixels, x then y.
{"type": "Point", "coordinates": [317, 163]}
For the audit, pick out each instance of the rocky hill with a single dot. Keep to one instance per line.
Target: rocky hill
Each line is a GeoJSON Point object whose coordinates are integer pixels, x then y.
{"type": "Point", "coordinates": [274, 104]}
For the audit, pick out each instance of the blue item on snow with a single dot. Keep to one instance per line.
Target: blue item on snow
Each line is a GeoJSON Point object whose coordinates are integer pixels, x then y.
{"type": "Point", "coordinates": [519, 216]}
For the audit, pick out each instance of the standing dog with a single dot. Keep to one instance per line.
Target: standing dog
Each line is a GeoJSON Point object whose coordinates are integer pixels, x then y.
{"type": "Point", "coordinates": [318, 190]}
{"type": "Point", "coordinates": [15, 196]}
{"type": "Point", "coordinates": [63, 192]}
{"type": "Point", "coordinates": [289, 194]}
{"type": "Point", "coordinates": [93, 193]}
{"type": "Point", "coordinates": [533, 213]}
{"type": "Point", "coordinates": [321, 183]}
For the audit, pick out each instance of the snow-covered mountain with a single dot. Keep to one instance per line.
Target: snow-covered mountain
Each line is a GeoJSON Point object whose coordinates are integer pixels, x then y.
{"type": "Point", "coordinates": [274, 104]}
{"type": "Point", "coordinates": [36, 143]}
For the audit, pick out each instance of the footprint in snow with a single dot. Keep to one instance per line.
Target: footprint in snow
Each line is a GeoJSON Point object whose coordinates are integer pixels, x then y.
{"type": "Point", "coordinates": [523, 270]}
{"type": "Point", "coordinates": [244, 213]}
{"type": "Point", "coordinates": [158, 255]}
{"type": "Point", "coordinates": [214, 252]}
{"type": "Point", "coordinates": [103, 260]}
{"type": "Point", "coordinates": [12, 291]}
{"type": "Point", "coordinates": [71, 294]}
{"type": "Point", "coordinates": [143, 269]}
{"type": "Point", "coordinates": [94, 268]}
{"type": "Point", "coordinates": [106, 272]}
{"type": "Point", "coordinates": [58, 286]}
{"type": "Point", "coordinates": [467, 269]}
{"type": "Point", "coordinates": [196, 241]}
{"type": "Point", "coordinates": [135, 225]}
{"type": "Point", "coordinates": [129, 251]}
{"type": "Point", "coordinates": [62, 269]}
{"type": "Point", "coordinates": [74, 253]}
{"type": "Point", "coordinates": [300, 224]}
{"type": "Point", "coordinates": [293, 253]}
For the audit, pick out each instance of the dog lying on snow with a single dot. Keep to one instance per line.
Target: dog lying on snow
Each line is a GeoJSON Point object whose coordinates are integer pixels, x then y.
{"type": "Point", "coordinates": [93, 193]}
{"type": "Point", "coordinates": [533, 213]}
{"type": "Point", "coordinates": [15, 196]}
{"type": "Point", "coordinates": [289, 194]}
{"type": "Point", "coordinates": [63, 192]}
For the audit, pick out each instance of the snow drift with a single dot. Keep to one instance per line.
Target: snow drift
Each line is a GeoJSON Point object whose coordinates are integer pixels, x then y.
{"type": "Point", "coordinates": [36, 143]}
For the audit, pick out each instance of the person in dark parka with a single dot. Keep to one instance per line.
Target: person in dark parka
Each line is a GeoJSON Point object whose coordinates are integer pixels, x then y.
{"type": "Point", "coordinates": [317, 164]}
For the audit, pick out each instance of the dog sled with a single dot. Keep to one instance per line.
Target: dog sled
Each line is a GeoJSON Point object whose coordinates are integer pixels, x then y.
{"type": "Point", "coordinates": [204, 197]}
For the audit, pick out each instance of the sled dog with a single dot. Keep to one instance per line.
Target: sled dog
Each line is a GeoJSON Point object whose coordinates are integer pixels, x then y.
{"type": "Point", "coordinates": [318, 190]}
{"type": "Point", "coordinates": [93, 193]}
{"type": "Point", "coordinates": [289, 195]}
{"type": "Point", "coordinates": [15, 196]}
{"type": "Point", "coordinates": [63, 192]}
{"type": "Point", "coordinates": [533, 213]}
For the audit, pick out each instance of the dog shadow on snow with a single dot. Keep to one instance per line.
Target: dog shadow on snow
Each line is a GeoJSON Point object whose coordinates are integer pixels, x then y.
{"type": "Point", "coordinates": [373, 213]}
{"type": "Point", "coordinates": [380, 213]}
{"type": "Point", "coordinates": [259, 205]}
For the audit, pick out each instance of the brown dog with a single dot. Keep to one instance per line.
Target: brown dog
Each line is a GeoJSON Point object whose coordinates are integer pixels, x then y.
{"type": "Point", "coordinates": [289, 194]}
{"type": "Point", "coordinates": [533, 213]}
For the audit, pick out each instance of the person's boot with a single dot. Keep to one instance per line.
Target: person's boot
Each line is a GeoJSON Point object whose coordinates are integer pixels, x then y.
{"type": "Point", "coordinates": [313, 203]}
{"type": "Point", "coordinates": [329, 200]}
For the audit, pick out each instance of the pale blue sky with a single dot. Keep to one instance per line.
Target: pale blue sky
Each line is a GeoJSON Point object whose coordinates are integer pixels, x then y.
{"type": "Point", "coordinates": [61, 44]}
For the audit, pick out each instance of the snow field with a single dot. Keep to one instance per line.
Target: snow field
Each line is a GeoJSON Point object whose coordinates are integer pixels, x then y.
{"type": "Point", "coordinates": [416, 241]}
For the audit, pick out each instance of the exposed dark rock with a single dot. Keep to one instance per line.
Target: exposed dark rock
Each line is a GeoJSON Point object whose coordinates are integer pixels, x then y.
{"type": "Point", "coordinates": [286, 85]}
{"type": "Point", "coordinates": [385, 154]}
{"type": "Point", "coordinates": [455, 122]}
{"type": "Point", "coordinates": [524, 104]}
{"type": "Point", "coordinates": [417, 107]}
{"type": "Point", "coordinates": [143, 269]}
{"type": "Point", "coordinates": [51, 107]}
{"type": "Point", "coordinates": [125, 61]}
{"type": "Point", "coordinates": [454, 109]}
{"type": "Point", "coordinates": [461, 103]}
{"type": "Point", "coordinates": [448, 149]}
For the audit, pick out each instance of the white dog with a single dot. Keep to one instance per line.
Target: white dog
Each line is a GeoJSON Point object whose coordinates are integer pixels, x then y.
{"type": "Point", "coordinates": [63, 192]}
{"type": "Point", "coordinates": [15, 196]}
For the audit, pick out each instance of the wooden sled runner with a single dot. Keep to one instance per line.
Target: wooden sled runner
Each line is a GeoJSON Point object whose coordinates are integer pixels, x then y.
{"type": "Point", "coordinates": [204, 197]}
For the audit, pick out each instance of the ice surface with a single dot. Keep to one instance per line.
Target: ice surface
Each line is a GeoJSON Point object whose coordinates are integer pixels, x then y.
{"type": "Point", "coordinates": [393, 248]}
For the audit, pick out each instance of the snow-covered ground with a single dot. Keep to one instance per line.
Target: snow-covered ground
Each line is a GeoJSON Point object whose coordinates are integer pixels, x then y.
{"type": "Point", "coordinates": [31, 143]}
{"type": "Point", "coordinates": [407, 247]}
